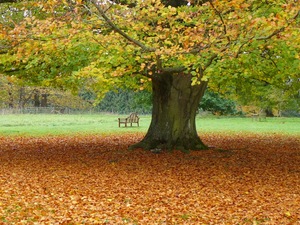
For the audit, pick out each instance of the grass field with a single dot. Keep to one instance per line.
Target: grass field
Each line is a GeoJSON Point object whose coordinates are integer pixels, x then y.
{"type": "Point", "coordinates": [44, 124]}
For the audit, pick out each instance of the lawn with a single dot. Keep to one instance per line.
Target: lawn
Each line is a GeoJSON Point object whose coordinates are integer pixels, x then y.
{"type": "Point", "coordinates": [44, 124]}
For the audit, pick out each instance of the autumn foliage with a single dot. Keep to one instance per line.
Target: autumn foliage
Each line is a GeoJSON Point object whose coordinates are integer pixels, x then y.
{"type": "Point", "coordinates": [242, 179]}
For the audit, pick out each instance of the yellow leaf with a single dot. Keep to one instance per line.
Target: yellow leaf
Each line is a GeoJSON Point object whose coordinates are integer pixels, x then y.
{"type": "Point", "coordinates": [288, 214]}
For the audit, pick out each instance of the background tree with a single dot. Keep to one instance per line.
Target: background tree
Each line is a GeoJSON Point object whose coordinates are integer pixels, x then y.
{"type": "Point", "coordinates": [124, 101]}
{"type": "Point", "coordinates": [14, 93]}
{"type": "Point", "coordinates": [217, 104]}
{"type": "Point", "coordinates": [176, 47]}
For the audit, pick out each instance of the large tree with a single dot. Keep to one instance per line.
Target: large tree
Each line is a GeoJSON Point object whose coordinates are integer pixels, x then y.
{"type": "Point", "coordinates": [177, 47]}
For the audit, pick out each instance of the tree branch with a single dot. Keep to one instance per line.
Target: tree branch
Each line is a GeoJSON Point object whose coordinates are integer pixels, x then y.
{"type": "Point", "coordinates": [280, 29]}
{"type": "Point", "coordinates": [221, 18]}
{"type": "Point", "coordinates": [240, 48]}
{"type": "Point", "coordinates": [6, 1]}
{"type": "Point", "coordinates": [271, 35]}
{"type": "Point", "coordinates": [118, 30]}
{"type": "Point", "coordinates": [212, 58]}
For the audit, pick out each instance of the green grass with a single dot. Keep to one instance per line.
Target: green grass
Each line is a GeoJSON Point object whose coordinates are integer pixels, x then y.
{"type": "Point", "coordinates": [281, 125]}
{"type": "Point", "coordinates": [47, 124]}
{"type": "Point", "coordinates": [44, 124]}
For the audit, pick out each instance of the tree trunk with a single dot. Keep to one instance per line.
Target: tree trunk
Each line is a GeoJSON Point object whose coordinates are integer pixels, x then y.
{"type": "Point", "coordinates": [269, 112]}
{"type": "Point", "coordinates": [44, 101]}
{"type": "Point", "coordinates": [36, 98]}
{"type": "Point", "coordinates": [10, 96]}
{"type": "Point", "coordinates": [21, 97]}
{"type": "Point", "coordinates": [175, 104]}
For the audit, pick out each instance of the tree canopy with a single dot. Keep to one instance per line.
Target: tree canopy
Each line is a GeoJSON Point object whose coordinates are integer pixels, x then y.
{"type": "Point", "coordinates": [76, 42]}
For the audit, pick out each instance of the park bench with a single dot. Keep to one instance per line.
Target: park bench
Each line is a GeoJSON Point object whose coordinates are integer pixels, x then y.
{"type": "Point", "coordinates": [132, 118]}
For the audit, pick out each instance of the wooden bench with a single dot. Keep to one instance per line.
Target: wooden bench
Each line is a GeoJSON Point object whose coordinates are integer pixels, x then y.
{"type": "Point", "coordinates": [132, 118]}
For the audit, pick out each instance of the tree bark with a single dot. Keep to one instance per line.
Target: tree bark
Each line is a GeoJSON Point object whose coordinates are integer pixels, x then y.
{"type": "Point", "coordinates": [175, 104]}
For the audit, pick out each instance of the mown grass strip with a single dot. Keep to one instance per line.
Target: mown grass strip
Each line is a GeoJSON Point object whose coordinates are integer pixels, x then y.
{"type": "Point", "coordinates": [45, 124]}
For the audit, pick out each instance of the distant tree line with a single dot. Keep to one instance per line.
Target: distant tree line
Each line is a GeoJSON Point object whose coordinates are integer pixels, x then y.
{"type": "Point", "coordinates": [15, 94]}
{"type": "Point", "coordinates": [124, 101]}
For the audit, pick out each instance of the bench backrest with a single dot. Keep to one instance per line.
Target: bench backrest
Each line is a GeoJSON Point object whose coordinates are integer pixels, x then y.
{"type": "Point", "coordinates": [133, 118]}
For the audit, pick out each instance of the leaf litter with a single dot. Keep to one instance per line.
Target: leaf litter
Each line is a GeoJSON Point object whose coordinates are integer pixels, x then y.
{"type": "Point", "coordinates": [94, 179]}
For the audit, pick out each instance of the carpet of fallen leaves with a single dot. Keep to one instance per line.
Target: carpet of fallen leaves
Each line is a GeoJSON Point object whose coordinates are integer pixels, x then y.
{"type": "Point", "coordinates": [243, 179]}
